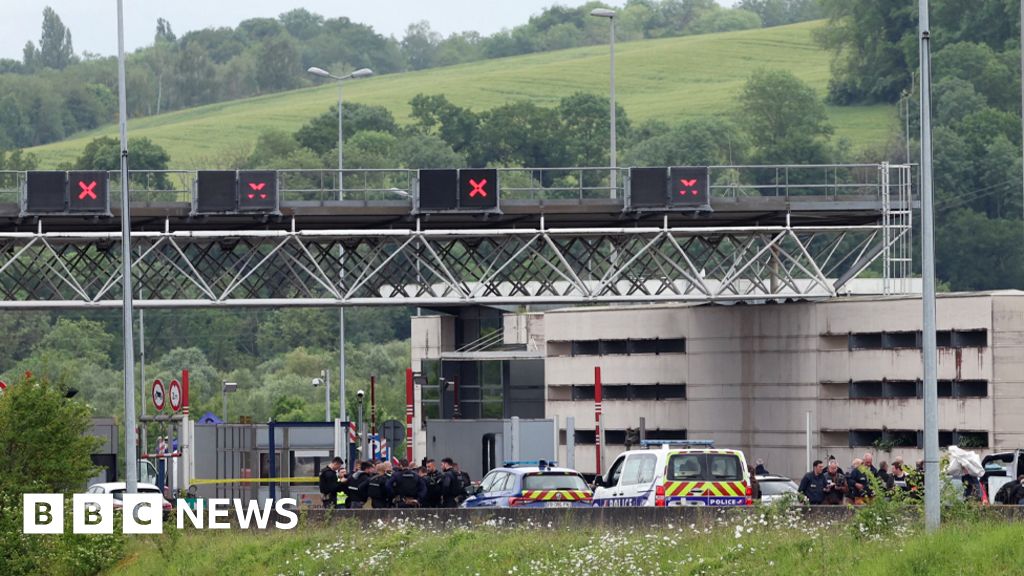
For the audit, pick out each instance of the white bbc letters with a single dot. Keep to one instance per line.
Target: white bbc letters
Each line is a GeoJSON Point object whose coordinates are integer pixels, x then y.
{"type": "Point", "coordinates": [143, 513]}
{"type": "Point", "coordinates": [43, 514]}
{"type": "Point", "coordinates": [92, 514]}
{"type": "Point", "coordinates": [218, 511]}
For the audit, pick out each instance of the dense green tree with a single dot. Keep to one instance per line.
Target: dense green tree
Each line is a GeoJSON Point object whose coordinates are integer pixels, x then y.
{"type": "Point", "coordinates": [520, 134]}
{"type": "Point", "coordinates": [979, 65]}
{"type": "Point", "coordinates": [976, 252]}
{"type": "Point", "coordinates": [724, 21]}
{"type": "Point", "coordinates": [194, 75]}
{"type": "Point", "coordinates": [312, 328]}
{"type": "Point", "coordinates": [702, 142]}
{"type": "Point", "coordinates": [584, 118]}
{"type": "Point", "coordinates": [271, 146]}
{"type": "Point", "coordinates": [420, 45]}
{"type": "Point", "coordinates": [18, 160]}
{"type": "Point", "coordinates": [104, 153]}
{"type": "Point", "coordinates": [43, 445]}
{"type": "Point", "coordinates": [436, 115]}
{"type": "Point", "coordinates": [874, 45]}
{"type": "Point", "coordinates": [55, 49]}
{"type": "Point", "coordinates": [321, 133]}
{"type": "Point", "coordinates": [301, 23]}
{"type": "Point", "coordinates": [279, 66]}
{"type": "Point", "coordinates": [14, 128]}
{"type": "Point", "coordinates": [417, 151]}
{"type": "Point", "coordinates": [781, 12]}
{"type": "Point", "coordinates": [786, 121]}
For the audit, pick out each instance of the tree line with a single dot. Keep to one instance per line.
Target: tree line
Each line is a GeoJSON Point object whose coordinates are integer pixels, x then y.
{"type": "Point", "coordinates": [976, 91]}
{"type": "Point", "coordinates": [52, 92]}
{"type": "Point", "coordinates": [272, 354]}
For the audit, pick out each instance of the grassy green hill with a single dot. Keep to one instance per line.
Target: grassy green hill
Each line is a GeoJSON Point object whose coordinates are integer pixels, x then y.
{"type": "Point", "coordinates": [671, 79]}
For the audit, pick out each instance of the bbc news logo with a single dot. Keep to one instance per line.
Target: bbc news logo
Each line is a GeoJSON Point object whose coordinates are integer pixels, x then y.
{"type": "Point", "coordinates": [143, 513]}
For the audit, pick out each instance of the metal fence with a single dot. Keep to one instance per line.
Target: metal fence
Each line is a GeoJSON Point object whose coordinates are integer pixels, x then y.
{"type": "Point", "coordinates": [561, 185]}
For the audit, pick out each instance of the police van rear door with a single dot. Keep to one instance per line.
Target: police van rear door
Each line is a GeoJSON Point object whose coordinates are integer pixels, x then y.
{"type": "Point", "coordinates": [704, 478]}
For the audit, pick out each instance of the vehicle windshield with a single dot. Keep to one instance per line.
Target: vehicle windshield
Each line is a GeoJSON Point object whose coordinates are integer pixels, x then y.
{"type": "Point", "coordinates": [118, 494]}
{"type": "Point", "coordinates": [701, 466]}
{"type": "Point", "coordinates": [776, 487]}
{"type": "Point", "coordinates": [554, 481]}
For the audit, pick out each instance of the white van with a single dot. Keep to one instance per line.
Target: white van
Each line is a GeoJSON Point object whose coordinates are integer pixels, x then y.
{"type": "Point", "coordinates": [676, 473]}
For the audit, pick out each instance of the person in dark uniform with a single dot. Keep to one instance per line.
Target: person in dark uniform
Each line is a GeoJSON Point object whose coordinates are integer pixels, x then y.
{"type": "Point", "coordinates": [377, 487]}
{"type": "Point", "coordinates": [332, 481]}
{"type": "Point", "coordinates": [408, 488]}
{"type": "Point", "coordinates": [451, 484]}
{"type": "Point", "coordinates": [357, 485]}
{"type": "Point", "coordinates": [434, 480]}
{"type": "Point", "coordinates": [812, 486]}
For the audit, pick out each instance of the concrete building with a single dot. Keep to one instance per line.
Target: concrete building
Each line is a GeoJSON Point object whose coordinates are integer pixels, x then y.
{"type": "Point", "coordinates": [747, 376]}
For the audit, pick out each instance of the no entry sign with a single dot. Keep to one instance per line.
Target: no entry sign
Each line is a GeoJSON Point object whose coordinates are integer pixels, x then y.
{"type": "Point", "coordinates": [158, 395]}
{"type": "Point", "coordinates": [175, 393]}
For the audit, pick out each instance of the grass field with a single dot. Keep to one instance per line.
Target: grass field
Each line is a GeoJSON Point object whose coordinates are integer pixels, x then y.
{"type": "Point", "coordinates": [756, 547]}
{"type": "Point", "coordinates": [670, 79]}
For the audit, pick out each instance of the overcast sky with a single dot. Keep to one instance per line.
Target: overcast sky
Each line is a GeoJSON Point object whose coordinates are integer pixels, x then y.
{"type": "Point", "coordinates": [93, 23]}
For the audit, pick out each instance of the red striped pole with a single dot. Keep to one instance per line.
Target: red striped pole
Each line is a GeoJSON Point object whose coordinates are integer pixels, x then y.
{"type": "Point", "coordinates": [597, 415]}
{"type": "Point", "coordinates": [409, 408]}
{"type": "Point", "coordinates": [184, 392]}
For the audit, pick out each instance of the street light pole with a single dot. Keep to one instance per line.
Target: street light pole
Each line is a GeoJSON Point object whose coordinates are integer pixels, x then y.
{"type": "Point", "coordinates": [932, 511]}
{"type": "Point", "coordinates": [130, 447]}
{"type": "Point", "coordinates": [612, 176]}
{"type": "Point", "coordinates": [360, 73]}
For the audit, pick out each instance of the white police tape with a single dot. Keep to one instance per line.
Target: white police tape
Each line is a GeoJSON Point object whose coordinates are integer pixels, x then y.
{"type": "Point", "coordinates": [143, 513]}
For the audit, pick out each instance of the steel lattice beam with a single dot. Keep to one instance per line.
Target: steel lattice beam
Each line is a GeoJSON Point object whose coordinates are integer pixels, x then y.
{"type": "Point", "coordinates": [437, 267]}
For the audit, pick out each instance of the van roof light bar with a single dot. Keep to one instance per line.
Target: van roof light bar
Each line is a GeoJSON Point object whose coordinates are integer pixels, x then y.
{"type": "Point", "coordinates": [685, 443]}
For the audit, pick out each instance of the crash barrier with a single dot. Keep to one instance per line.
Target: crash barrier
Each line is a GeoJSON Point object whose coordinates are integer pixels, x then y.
{"type": "Point", "coordinates": [700, 517]}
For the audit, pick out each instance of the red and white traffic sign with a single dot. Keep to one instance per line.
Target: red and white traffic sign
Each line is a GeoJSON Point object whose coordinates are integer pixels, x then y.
{"type": "Point", "coordinates": [158, 395]}
{"type": "Point", "coordinates": [175, 393]}
{"type": "Point", "coordinates": [3, 386]}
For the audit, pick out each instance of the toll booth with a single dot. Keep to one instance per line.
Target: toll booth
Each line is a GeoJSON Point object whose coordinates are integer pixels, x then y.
{"type": "Point", "coordinates": [105, 455]}
{"type": "Point", "coordinates": [261, 461]}
{"type": "Point", "coordinates": [481, 445]}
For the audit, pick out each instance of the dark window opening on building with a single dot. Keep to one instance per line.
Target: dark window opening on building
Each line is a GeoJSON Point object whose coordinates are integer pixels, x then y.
{"type": "Point", "coordinates": [614, 347]}
{"type": "Point", "coordinates": [894, 389]}
{"type": "Point", "coordinates": [976, 338]}
{"type": "Point", "coordinates": [619, 347]}
{"type": "Point", "coordinates": [866, 341]}
{"type": "Point", "coordinates": [631, 392]}
{"type": "Point", "coordinates": [915, 438]}
{"type": "Point", "coordinates": [895, 340]}
{"type": "Point", "coordinates": [618, 437]}
{"type": "Point", "coordinates": [970, 338]}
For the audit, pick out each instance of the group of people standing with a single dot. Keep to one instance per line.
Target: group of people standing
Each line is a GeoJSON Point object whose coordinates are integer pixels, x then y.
{"type": "Point", "coordinates": [828, 484]}
{"type": "Point", "coordinates": [387, 485]}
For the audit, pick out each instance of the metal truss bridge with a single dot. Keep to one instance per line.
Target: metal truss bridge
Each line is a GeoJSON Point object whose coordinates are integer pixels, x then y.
{"type": "Point", "coordinates": [774, 232]}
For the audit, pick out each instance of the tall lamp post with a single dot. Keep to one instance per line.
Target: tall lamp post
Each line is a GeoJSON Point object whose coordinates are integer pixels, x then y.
{"type": "Point", "coordinates": [610, 15]}
{"type": "Point", "coordinates": [932, 511]}
{"type": "Point", "coordinates": [130, 446]}
{"type": "Point", "coordinates": [360, 73]}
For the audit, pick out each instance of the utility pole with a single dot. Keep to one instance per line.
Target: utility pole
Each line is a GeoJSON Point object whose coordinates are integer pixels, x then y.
{"type": "Point", "coordinates": [931, 433]}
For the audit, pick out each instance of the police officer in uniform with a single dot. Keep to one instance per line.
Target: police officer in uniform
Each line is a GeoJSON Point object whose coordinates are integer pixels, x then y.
{"type": "Point", "coordinates": [812, 486]}
{"type": "Point", "coordinates": [376, 487]}
{"type": "Point", "coordinates": [357, 485]}
{"type": "Point", "coordinates": [332, 481]}
{"type": "Point", "coordinates": [408, 488]}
